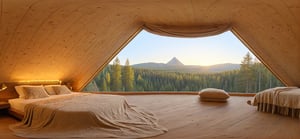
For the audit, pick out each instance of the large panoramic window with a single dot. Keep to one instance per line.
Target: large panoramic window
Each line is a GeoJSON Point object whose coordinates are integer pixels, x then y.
{"type": "Point", "coordinates": [157, 63]}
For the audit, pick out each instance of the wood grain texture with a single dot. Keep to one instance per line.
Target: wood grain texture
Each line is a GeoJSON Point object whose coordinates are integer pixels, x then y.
{"type": "Point", "coordinates": [186, 117]}
{"type": "Point", "coordinates": [71, 40]}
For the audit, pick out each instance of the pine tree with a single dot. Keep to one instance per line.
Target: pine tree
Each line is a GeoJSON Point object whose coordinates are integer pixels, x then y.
{"type": "Point", "coordinates": [103, 85]}
{"type": "Point", "coordinates": [128, 77]}
{"type": "Point", "coordinates": [258, 68]}
{"type": "Point", "coordinates": [107, 79]}
{"type": "Point", "coordinates": [139, 83]}
{"type": "Point", "coordinates": [91, 87]}
{"type": "Point", "coordinates": [116, 82]}
{"type": "Point", "coordinates": [246, 74]}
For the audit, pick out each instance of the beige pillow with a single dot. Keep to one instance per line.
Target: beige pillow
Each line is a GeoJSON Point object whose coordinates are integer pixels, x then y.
{"type": "Point", "coordinates": [20, 90]}
{"type": "Point", "coordinates": [50, 90]}
{"type": "Point", "coordinates": [59, 90]}
{"type": "Point", "coordinates": [213, 94]}
{"type": "Point", "coordinates": [32, 92]}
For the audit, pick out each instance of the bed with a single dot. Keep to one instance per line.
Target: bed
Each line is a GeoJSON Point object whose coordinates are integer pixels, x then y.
{"type": "Point", "coordinates": [17, 105]}
{"type": "Point", "coordinates": [84, 115]}
{"type": "Point", "coordinates": [278, 100]}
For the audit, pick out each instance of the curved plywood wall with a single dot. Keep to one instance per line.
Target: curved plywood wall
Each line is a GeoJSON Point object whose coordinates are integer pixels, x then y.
{"type": "Point", "coordinates": [71, 40]}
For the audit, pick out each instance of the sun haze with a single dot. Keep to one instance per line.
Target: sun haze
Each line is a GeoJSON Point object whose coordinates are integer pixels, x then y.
{"type": "Point", "coordinates": [204, 51]}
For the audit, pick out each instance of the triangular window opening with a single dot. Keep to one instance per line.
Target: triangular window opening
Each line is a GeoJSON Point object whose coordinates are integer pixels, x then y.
{"type": "Point", "coordinates": [157, 63]}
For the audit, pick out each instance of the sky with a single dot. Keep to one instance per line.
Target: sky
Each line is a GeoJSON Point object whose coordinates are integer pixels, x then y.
{"type": "Point", "coordinates": [203, 51]}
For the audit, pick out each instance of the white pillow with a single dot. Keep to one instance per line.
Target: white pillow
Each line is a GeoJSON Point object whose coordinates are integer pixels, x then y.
{"type": "Point", "coordinates": [213, 94]}
{"type": "Point", "coordinates": [50, 90]}
{"type": "Point", "coordinates": [32, 92]}
{"type": "Point", "coordinates": [59, 90]}
{"type": "Point", "coordinates": [20, 90]}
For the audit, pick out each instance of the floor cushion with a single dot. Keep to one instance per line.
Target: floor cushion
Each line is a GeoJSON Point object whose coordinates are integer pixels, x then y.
{"type": "Point", "coordinates": [213, 94]}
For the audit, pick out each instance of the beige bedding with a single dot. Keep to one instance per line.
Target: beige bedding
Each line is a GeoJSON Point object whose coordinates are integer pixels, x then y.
{"type": "Point", "coordinates": [86, 115]}
{"type": "Point", "coordinates": [19, 104]}
{"type": "Point", "coordinates": [282, 100]}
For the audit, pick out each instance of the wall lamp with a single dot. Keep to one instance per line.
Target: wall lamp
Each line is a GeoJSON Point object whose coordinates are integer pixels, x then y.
{"type": "Point", "coordinates": [3, 87]}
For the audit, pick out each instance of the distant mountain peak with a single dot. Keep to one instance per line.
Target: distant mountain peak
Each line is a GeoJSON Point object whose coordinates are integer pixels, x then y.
{"type": "Point", "coordinates": [175, 62]}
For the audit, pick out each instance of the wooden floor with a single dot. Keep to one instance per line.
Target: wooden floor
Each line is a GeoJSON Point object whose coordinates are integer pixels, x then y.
{"type": "Point", "coordinates": [186, 117]}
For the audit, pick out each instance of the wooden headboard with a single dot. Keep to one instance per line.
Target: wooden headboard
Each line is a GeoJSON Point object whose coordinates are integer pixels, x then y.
{"type": "Point", "coordinates": [10, 91]}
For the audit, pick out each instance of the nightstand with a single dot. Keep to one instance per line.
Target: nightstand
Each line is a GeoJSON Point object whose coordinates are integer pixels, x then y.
{"type": "Point", "coordinates": [4, 107]}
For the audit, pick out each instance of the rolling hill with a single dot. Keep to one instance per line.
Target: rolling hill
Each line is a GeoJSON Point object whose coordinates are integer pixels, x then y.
{"type": "Point", "coordinates": [174, 65]}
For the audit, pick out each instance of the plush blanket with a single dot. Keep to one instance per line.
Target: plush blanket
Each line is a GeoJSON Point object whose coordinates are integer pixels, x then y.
{"type": "Point", "coordinates": [86, 115]}
{"type": "Point", "coordinates": [282, 100]}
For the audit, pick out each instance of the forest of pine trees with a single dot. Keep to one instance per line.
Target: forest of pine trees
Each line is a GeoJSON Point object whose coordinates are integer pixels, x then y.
{"type": "Point", "coordinates": [252, 77]}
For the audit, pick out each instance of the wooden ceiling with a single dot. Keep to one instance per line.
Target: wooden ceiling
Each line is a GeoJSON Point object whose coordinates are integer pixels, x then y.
{"type": "Point", "coordinates": [71, 40]}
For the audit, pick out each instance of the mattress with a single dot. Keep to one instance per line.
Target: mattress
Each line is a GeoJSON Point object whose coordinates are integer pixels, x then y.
{"type": "Point", "coordinates": [18, 104]}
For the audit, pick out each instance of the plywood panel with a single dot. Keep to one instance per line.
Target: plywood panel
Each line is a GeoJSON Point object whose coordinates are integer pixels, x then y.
{"type": "Point", "coordinates": [71, 40]}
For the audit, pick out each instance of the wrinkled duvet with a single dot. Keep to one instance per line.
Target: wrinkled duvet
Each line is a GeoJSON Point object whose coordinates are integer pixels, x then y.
{"type": "Point", "coordinates": [280, 100]}
{"type": "Point", "coordinates": [88, 116]}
